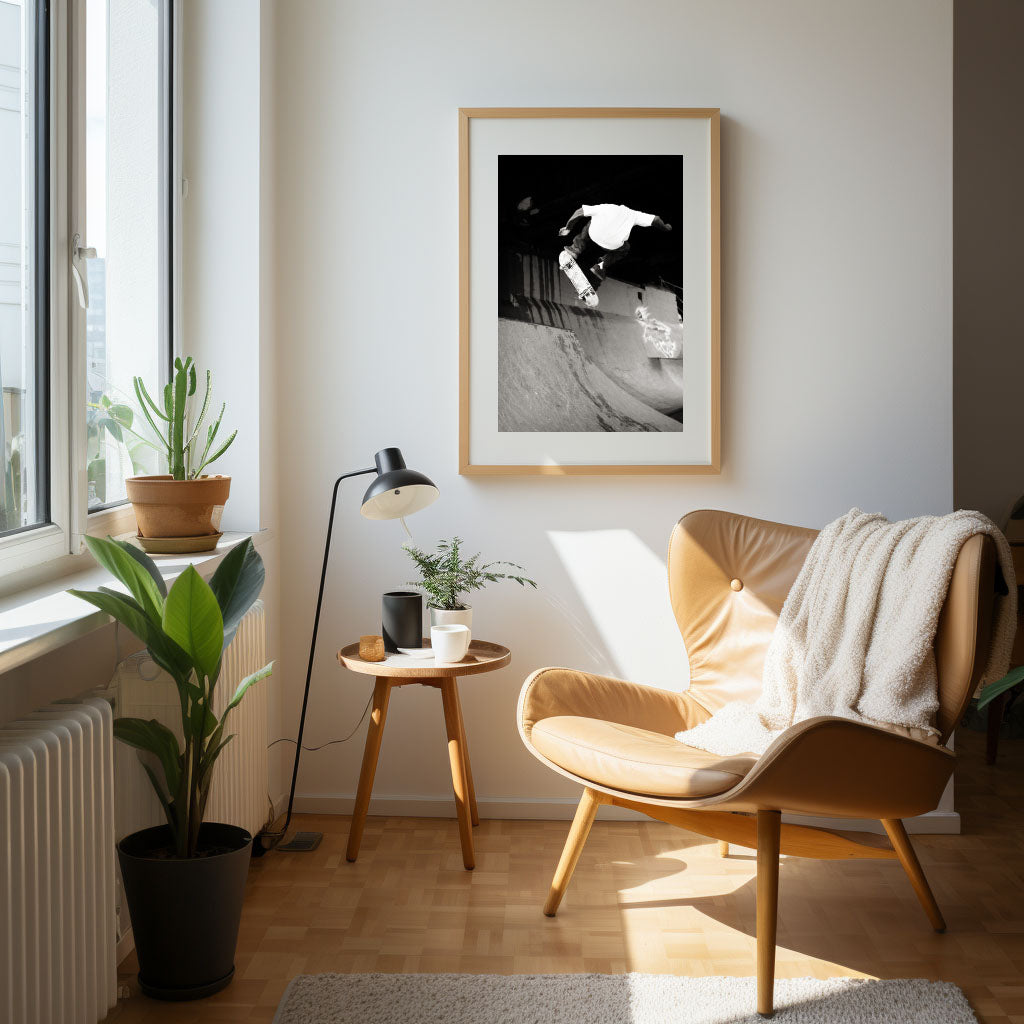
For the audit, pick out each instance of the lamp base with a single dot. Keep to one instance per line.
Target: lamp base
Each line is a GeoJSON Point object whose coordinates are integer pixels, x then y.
{"type": "Point", "coordinates": [301, 842]}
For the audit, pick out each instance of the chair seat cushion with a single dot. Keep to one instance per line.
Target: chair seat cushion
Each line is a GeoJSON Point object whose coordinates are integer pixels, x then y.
{"type": "Point", "coordinates": [634, 760]}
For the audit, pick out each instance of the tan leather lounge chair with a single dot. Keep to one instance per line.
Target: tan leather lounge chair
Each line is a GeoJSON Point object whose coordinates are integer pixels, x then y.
{"type": "Point", "coordinates": [728, 578]}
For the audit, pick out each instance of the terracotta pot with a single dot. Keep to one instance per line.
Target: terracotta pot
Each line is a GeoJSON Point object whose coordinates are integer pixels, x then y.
{"type": "Point", "coordinates": [165, 507]}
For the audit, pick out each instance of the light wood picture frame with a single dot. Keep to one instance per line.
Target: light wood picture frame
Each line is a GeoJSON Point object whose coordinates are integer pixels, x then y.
{"type": "Point", "coordinates": [611, 365]}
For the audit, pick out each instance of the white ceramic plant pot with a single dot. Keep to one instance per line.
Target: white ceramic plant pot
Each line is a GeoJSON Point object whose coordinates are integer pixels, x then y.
{"type": "Point", "coordinates": [453, 617]}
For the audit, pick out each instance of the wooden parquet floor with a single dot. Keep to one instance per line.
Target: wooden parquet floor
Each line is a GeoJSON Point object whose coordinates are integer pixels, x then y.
{"type": "Point", "coordinates": [645, 897]}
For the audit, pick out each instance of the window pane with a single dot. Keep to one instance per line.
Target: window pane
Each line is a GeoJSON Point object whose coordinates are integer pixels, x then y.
{"type": "Point", "coordinates": [127, 204]}
{"type": "Point", "coordinates": [23, 197]}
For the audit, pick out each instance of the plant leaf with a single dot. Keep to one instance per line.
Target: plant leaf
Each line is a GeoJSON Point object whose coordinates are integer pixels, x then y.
{"type": "Point", "coordinates": [244, 685]}
{"type": "Point", "coordinates": [158, 789]}
{"type": "Point", "coordinates": [213, 751]}
{"type": "Point", "coordinates": [146, 562]}
{"type": "Point", "coordinates": [113, 428]}
{"type": "Point", "coordinates": [156, 738]}
{"type": "Point", "coordinates": [123, 414]}
{"type": "Point", "coordinates": [218, 453]}
{"type": "Point", "coordinates": [236, 584]}
{"type": "Point", "coordinates": [143, 396]}
{"type": "Point", "coordinates": [202, 720]}
{"type": "Point", "coordinates": [192, 619]}
{"type": "Point", "coordinates": [1000, 686]}
{"type": "Point", "coordinates": [127, 570]}
{"type": "Point", "coordinates": [162, 649]}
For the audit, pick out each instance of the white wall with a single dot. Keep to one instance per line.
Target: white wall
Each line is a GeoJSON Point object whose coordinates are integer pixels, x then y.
{"type": "Point", "coordinates": [836, 185]}
{"type": "Point", "coordinates": [221, 232]}
{"type": "Point", "coordinates": [228, 110]}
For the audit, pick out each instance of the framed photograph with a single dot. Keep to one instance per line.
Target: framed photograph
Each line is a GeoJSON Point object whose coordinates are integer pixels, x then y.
{"type": "Point", "coordinates": [589, 307]}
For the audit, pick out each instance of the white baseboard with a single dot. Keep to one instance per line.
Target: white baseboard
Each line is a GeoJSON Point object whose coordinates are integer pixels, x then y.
{"type": "Point", "coordinates": [512, 808]}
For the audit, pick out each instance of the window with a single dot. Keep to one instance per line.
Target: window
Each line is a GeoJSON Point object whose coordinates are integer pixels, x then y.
{"type": "Point", "coordinates": [127, 175]}
{"type": "Point", "coordinates": [86, 261]}
{"type": "Point", "coordinates": [24, 251]}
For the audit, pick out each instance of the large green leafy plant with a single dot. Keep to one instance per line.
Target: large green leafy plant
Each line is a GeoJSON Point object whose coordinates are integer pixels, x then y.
{"type": "Point", "coordinates": [186, 630]}
{"type": "Point", "coordinates": [446, 576]}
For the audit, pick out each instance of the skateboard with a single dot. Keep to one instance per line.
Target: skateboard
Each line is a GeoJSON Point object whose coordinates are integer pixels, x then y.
{"type": "Point", "coordinates": [584, 289]}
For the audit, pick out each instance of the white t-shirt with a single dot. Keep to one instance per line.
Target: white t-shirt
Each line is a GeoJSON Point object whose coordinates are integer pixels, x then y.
{"type": "Point", "coordinates": [610, 225]}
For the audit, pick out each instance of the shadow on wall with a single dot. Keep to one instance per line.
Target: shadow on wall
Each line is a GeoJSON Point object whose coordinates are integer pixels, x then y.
{"type": "Point", "coordinates": [623, 585]}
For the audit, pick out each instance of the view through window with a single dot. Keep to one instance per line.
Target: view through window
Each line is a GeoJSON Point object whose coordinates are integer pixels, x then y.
{"type": "Point", "coordinates": [23, 259]}
{"type": "Point", "coordinates": [127, 152]}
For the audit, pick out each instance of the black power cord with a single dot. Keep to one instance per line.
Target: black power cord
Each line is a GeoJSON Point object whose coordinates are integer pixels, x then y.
{"type": "Point", "coordinates": [268, 840]}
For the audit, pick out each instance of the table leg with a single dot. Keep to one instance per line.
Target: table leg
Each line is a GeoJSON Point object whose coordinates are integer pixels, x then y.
{"type": "Point", "coordinates": [374, 735]}
{"type": "Point", "coordinates": [473, 812]}
{"type": "Point", "coordinates": [456, 755]}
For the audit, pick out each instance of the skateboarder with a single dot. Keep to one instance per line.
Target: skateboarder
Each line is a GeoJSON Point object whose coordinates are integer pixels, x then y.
{"type": "Point", "coordinates": [606, 233]}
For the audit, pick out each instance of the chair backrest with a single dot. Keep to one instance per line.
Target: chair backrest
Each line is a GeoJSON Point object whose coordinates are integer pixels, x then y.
{"type": "Point", "coordinates": [728, 579]}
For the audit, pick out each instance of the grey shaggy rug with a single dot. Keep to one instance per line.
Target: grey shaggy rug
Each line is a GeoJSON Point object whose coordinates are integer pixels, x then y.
{"type": "Point", "coordinates": [610, 999]}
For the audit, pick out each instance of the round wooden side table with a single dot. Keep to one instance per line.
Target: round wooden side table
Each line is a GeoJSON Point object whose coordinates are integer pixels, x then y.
{"type": "Point", "coordinates": [403, 670]}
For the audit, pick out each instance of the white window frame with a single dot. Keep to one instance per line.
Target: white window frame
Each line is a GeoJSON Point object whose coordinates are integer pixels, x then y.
{"type": "Point", "coordinates": [70, 520]}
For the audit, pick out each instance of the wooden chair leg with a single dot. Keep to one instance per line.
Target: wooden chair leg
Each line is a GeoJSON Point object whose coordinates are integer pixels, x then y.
{"type": "Point", "coordinates": [905, 851]}
{"type": "Point", "coordinates": [769, 825]}
{"type": "Point", "coordinates": [723, 848]}
{"type": "Point", "coordinates": [585, 813]}
{"type": "Point", "coordinates": [374, 735]}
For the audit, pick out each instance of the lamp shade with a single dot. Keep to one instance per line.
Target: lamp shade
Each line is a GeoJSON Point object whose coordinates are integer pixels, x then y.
{"type": "Point", "coordinates": [397, 490]}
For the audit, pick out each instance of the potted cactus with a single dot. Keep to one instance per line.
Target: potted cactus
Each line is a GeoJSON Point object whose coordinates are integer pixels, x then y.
{"type": "Point", "coordinates": [185, 502]}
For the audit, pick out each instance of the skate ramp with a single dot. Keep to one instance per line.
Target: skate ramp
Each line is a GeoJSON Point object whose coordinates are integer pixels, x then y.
{"type": "Point", "coordinates": [615, 344]}
{"type": "Point", "coordinates": [643, 356]}
{"type": "Point", "coordinates": [548, 382]}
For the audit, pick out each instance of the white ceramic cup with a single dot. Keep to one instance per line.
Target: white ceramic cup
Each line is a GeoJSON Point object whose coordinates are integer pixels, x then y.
{"type": "Point", "coordinates": [450, 643]}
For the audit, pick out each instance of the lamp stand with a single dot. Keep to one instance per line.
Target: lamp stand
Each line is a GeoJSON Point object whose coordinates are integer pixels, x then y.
{"type": "Point", "coordinates": [304, 842]}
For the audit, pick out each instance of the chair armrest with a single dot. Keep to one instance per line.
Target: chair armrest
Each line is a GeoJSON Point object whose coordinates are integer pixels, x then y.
{"type": "Point", "coordinates": [564, 691]}
{"type": "Point", "coordinates": [838, 768]}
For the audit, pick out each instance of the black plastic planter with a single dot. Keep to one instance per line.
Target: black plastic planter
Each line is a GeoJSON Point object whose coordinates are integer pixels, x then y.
{"type": "Point", "coordinates": [185, 913]}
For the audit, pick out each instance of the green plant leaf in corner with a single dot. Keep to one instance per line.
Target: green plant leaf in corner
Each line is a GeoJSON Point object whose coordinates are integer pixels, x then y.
{"type": "Point", "coordinates": [236, 584]}
{"type": "Point", "coordinates": [192, 619]}
{"type": "Point", "coordinates": [1000, 686]}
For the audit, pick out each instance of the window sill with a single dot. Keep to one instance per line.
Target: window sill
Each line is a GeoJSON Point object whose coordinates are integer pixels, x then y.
{"type": "Point", "coordinates": [39, 619]}
{"type": "Point", "coordinates": [118, 521]}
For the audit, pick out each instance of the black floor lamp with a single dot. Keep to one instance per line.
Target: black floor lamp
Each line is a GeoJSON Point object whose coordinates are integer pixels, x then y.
{"type": "Point", "coordinates": [397, 492]}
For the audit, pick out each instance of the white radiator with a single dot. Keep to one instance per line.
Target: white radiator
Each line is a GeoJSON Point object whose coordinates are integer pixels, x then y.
{"type": "Point", "coordinates": [238, 795]}
{"type": "Point", "coordinates": [57, 959]}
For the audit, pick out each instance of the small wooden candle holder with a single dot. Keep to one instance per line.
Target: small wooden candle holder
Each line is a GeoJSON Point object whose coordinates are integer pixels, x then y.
{"type": "Point", "coordinates": [371, 648]}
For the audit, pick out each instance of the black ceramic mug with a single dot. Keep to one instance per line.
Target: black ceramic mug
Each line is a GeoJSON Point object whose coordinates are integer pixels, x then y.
{"type": "Point", "coordinates": [402, 619]}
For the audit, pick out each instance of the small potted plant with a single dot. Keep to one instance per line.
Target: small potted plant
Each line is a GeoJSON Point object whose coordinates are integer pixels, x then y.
{"type": "Point", "coordinates": [184, 881]}
{"type": "Point", "coordinates": [184, 502]}
{"type": "Point", "coordinates": [447, 577]}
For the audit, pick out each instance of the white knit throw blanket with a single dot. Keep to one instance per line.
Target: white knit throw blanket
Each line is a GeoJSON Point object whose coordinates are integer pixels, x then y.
{"type": "Point", "coordinates": [855, 636]}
